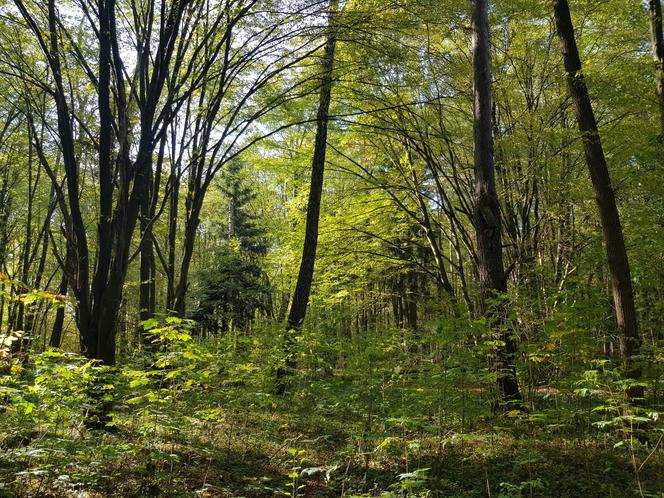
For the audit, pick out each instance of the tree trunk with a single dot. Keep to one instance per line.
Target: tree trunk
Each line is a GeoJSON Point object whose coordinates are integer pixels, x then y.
{"type": "Point", "coordinates": [20, 313]}
{"type": "Point", "coordinates": [487, 213]}
{"type": "Point", "coordinates": [147, 264]}
{"type": "Point", "coordinates": [172, 237]}
{"type": "Point", "coordinates": [191, 226]}
{"type": "Point", "coordinates": [300, 301]}
{"type": "Point", "coordinates": [621, 281]}
{"type": "Point", "coordinates": [56, 334]}
{"type": "Point", "coordinates": [31, 311]}
{"type": "Point", "coordinates": [410, 301]}
{"type": "Point", "coordinates": [148, 270]}
{"type": "Point", "coordinates": [5, 209]}
{"type": "Point", "coordinates": [655, 9]}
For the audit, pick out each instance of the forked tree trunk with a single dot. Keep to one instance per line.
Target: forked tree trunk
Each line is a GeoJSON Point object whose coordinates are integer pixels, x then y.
{"type": "Point", "coordinates": [621, 281]}
{"type": "Point", "coordinates": [487, 214]}
{"type": "Point", "coordinates": [305, 276]}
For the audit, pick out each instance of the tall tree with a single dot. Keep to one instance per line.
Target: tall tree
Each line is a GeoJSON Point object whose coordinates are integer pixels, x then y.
{"type": "Point", "coordinates": [487, 210]}
{"type": "Point", "coordinates": [298, 308]}
{"type": "Point", "coordinates": [245, 84]}
{"type": "Point", "coordinates": [127, 107]}
{"type": "Point", "coordinates": [148, 286]}
{"type": "Point", "coordinates": [655, 10]}
{"type": "Point", "coordinates": [621, 280]}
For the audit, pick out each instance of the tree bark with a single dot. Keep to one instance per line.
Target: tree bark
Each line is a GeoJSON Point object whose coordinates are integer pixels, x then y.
{"type": "Point", "coordinates": [56, 334]}
{"type": "Point", "coordinates": [655, 10]}
{"type": "Point", "coordinates": [147, 264]}
{"type": "Point", "coordinates": [5, 209]}
{"type": "Point", "coordinates": [487, 213]}
{"type": "Point", "coordinates": [148, 286]}
{"type": "Point", "coordinates": [305, 276]}
{"type": "Point", "coordinates": [190, 230]}
{"type": "Point", "coordinates": [99, 298]}
{"type": "Point", "coordinates": [172, 234]}
{"type": "Point", "coordinates": [621, 281]}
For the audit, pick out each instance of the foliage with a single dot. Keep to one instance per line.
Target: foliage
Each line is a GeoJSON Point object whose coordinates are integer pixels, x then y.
{"type": "Point", "coordinates": [394, 423]}
{"type": "Point", "coordinates": [203, 187]}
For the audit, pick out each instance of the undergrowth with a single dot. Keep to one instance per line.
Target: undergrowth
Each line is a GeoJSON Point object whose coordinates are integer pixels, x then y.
{"type": "Point", "coordinates": [384, 416]}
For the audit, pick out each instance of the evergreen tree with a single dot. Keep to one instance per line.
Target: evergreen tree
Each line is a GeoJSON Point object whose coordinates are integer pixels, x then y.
{"type": "Point", "coordinates": [235, 288]}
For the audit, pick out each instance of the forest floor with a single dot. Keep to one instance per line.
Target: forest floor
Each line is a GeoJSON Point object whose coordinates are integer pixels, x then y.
{"type": "Point", "coordinates": [333, 437]}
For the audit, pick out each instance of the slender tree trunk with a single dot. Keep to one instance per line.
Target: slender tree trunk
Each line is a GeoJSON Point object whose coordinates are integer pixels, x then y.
{"type": "Point", "coordinates": [487, 212]}
{"type": "Point", "coordinates": [655, 9]}
{"type": "Point", "coordinates": [305, 276]}
{"type": "Point", "coordinates": [196, 189]}
{"type": "Point", "coordinates": [148, 270]}
{"type": "Point", "coordinates": [18, 316]}
{"type": "Point", "coordinates": [173, 206]}
{"type": "Point", "coordinates": [621, 281]}
{"type": "Point", "coordinates": [5, 208]}
{"type": "Point", "coordinates": [191, 226]}
{"type": "Point", "coordinates": [31, 311]}
{"type": "Point", "coordinates": [172, 238]}
{"type": "Point", "coordinates": [56, 334]}
{"type": "Point", "coordinates": [410, 301]}
{"type": "Point", "coordinates": [147, 263]}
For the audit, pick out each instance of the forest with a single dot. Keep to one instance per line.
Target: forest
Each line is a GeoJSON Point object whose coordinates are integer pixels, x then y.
{"type": "Point", "coordinates": [331, 248]}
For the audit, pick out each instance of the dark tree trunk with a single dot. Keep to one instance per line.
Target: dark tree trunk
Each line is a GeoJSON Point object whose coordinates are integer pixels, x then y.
{"type": "Point", "coordinates": [196, 189]}
{"type": "Point", "coordinates": [172, 236]}
{"type": "Point", "coordinates": [148, 287]}
{"type": "Point", "coordinates": [191, 227]}
{"type": "Point", "coordinates": [31, 311]}
{"type": "Point", "coordinates": [148, 270]}
{"type": "Point", "coordinates": [305, 276]}
{"type": "Point", "coordinates": [655, 9]}
{"type": "Point", "coordinates": [396, 297]}
{"type": "Point", "coordinates": [56, 334]}
{"type": "Point", "coordinates": [410, 300]}
{"type": "Point", "coordinates": [5, 208]}
{"type": "Point", "coordinates": [487, 212]}
{"type": "Point", "coordinates": [147, 263]}
{"type": "Point", "coordinates": [621, 281]}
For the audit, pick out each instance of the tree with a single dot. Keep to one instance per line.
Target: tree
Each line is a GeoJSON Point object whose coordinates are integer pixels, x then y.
{"type": "Point", "coordinates": [231, 291]}
{"type": "Point", "coordinates": [122, 178]}
{"type": "Point", "coordinates": [298, 307]}
{"type": "Point", "coordinates": [655, 10]}
{"type": "Point", "coordinates": [621, 280]}
{"type": "Point", "coordinates": [487, 211]}
{"type": "Point", "coordinates": [250, 79]}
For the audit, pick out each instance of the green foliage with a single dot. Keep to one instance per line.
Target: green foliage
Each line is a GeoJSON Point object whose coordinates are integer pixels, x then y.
{"type": "Point", "coordinates": [232, 292]}
{"type": "Point", "coordinates": [395, 377]}
{"type": "Point", "coordinates": [234, 287]}
{"type": "Point", "coordinates": [391, 415]}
